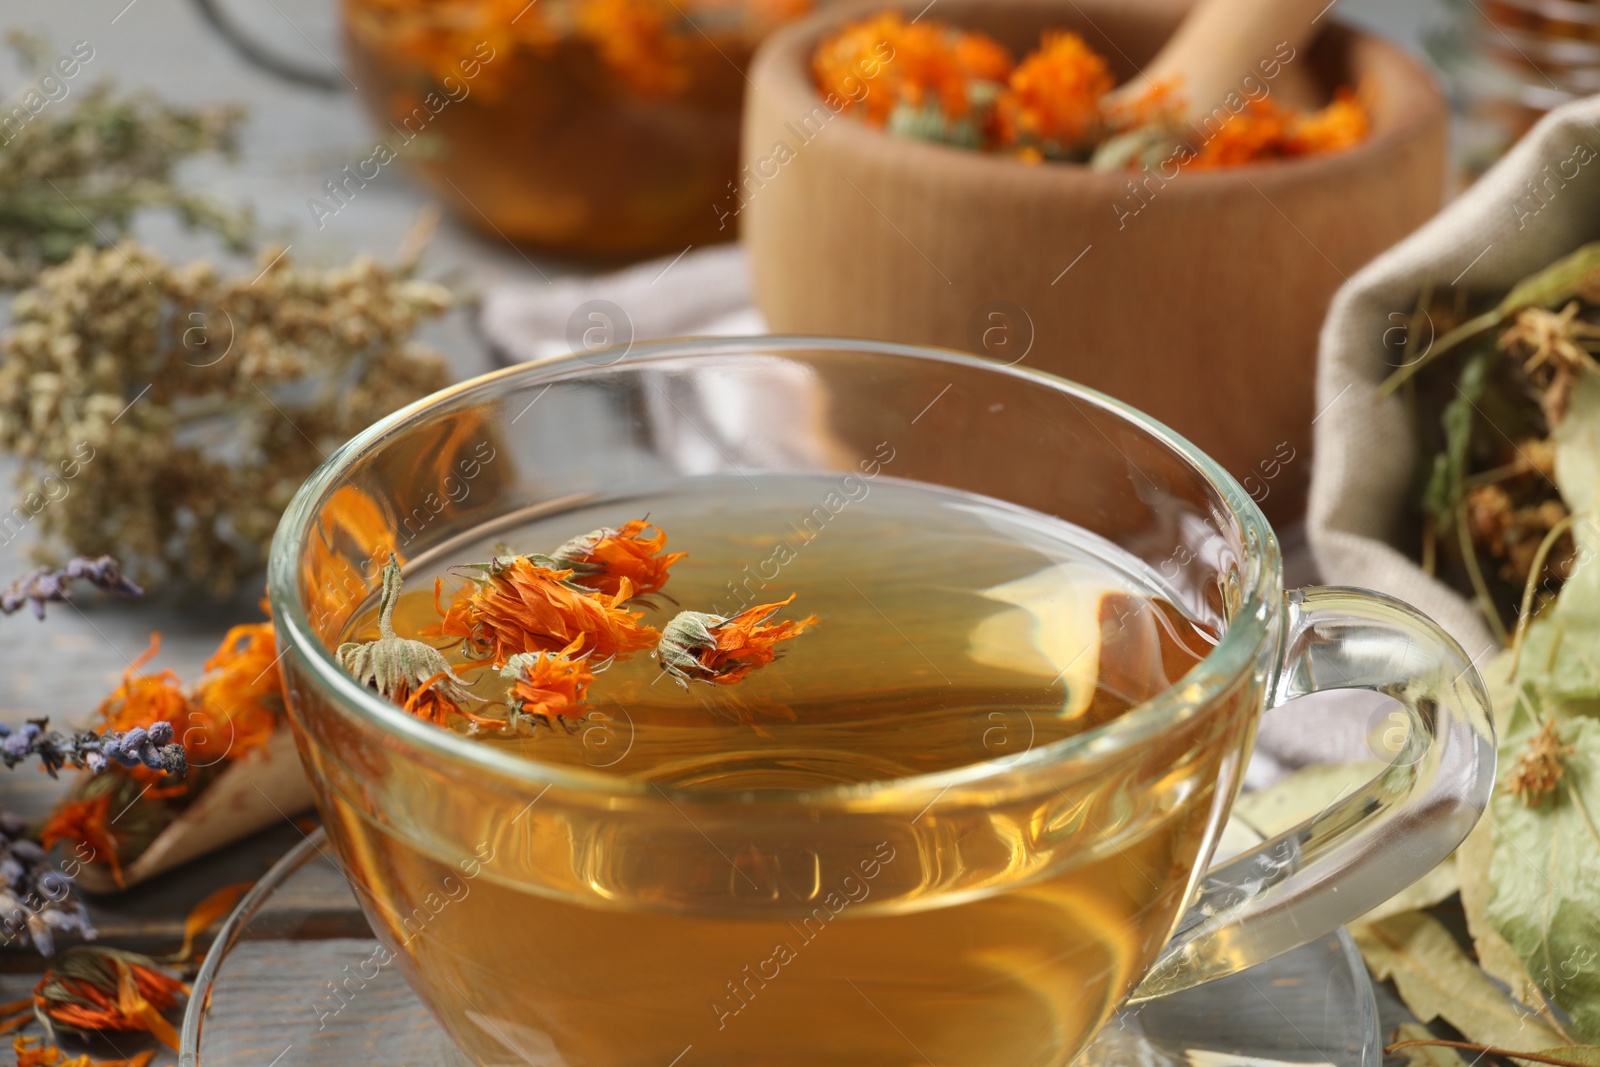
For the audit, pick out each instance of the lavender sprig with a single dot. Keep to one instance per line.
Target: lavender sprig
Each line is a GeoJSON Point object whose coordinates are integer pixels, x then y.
{"type": "Point", "coordinates": [36, 900]}
{"type": "Point", "coordinates": [45, 585]}
{"type": "Point", "coordinates": [151, 746]}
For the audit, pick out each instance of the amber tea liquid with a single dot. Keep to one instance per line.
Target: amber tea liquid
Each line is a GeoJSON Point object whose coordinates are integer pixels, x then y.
{"type": "Point", "coordinates": [718, 915]}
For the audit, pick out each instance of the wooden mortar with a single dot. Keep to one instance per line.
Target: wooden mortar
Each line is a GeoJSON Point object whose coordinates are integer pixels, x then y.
{"type": "Point", "coordinates": [1196, 298]}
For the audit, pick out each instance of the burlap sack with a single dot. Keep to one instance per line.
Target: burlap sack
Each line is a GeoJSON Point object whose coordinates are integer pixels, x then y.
{"type": "Point", "coordinates": [1538, 203]}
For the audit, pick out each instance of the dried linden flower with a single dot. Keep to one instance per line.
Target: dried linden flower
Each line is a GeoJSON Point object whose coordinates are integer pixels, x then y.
{"type": "Point", "coordinates": [1538, 769]}
{"type": "Point", "coordinates": [167, 415]}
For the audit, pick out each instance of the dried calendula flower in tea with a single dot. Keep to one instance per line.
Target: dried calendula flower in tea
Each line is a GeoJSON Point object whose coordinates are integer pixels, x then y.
{"type": "Point", "coordinates": [602, 559]}
{"type": "Point", "coordinates": [91, 989]}
{"type": "Point", "coordinates": [167, 414]}
{"type": "Point", "coordinates": [549, 686]}
{"type": "Point", "coordinates": [700, 647]}
{"type": "Point", "coordinates": [517, 604]}
{"type": "Point", "coordinates": [411, 673]}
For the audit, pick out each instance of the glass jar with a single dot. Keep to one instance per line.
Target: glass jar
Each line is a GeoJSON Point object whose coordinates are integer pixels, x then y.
{"type": "Point", "coordinates": [1509, 62]}
{"type": "Point", "coordinates": [602, 129]}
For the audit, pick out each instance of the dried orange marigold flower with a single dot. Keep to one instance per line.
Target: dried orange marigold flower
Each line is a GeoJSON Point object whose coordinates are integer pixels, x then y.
{"type": "Point", "coordinates": [520, 605]}
{"type": "Point", "coordinates": [410, 673]}
{"type": "Point", "coordinates": [1054, 95]}
{"type": "Point", "coordinates": [241, 698]}
{"type": "Point", "coordinates": [549, 685]}
{"type": "Point", "coordinates": [91, 989]}
{"type": "Point", "coordinates": [1342, 124]}
{"type": "Point", "coordinates": [700, 647]}
{"type": "Point", "coordinates": [885, 61]}
{"type": "Point", "coordinates": [602, 559]}
{"type": "Point", "coordinates": [86, 819]}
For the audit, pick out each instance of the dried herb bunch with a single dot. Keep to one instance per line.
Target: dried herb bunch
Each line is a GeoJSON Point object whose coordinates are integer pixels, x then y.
{"type": "Point", "coordinates": [168, 414]}
{"type": "Point", "coordinates": [76, 172]}
{"type": "Point", "coordinates": [1489, 394]}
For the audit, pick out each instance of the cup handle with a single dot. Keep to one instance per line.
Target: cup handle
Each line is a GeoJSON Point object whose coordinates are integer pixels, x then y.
{"type": "Point", "coordinates": [1366, 847]}
{"type": "Point", "coordinates": [291, 70]}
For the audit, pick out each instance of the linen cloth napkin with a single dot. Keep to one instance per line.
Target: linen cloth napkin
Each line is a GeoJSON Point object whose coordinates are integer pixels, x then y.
{"type": "Point", "coordinates": [707, 293]}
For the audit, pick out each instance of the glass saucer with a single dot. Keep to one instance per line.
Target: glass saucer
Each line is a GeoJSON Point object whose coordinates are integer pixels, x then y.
{"type": "Point", "coordinates": [288, 984]}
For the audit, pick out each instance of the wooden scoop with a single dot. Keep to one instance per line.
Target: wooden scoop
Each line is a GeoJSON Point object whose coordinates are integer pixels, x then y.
{"type": "Point", "coordinates": [1228, 46]}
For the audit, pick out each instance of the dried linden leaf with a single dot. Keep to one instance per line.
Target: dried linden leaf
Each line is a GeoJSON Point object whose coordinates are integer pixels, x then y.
{"type": "Point", "coordinates": [1546, 870]}
{"type": "Point", "coordinates": [1544, 877]}
{"type": "Point", "coordinates": [1495, 954]}
{"type": "Point", "coordinates": [1437, 980]}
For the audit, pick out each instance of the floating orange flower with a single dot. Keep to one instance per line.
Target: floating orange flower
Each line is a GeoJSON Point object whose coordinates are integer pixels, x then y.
{"type": "Point", "coordinates": [523, 606]}
{"type": "Point", "coordinates": [603, 559]}
{"type": "Point", "coordinates": [696, 646]}
{"type": "Point", "coordinates": [1054, 95]}
{"type": "Point", "coordinates": [408, 672]}
{"type": "Point", "coordinates": [549, 685]}
{"type": "Point", "coordinates": [94, 989]}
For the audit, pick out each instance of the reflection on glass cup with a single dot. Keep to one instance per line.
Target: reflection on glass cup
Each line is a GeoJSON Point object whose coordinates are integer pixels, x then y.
{"type": "Point", "coordinates": [995, 911]}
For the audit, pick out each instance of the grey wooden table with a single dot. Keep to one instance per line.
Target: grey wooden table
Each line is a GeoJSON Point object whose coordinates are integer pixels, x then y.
{"type": "Point", "coordinates": [295, 140]}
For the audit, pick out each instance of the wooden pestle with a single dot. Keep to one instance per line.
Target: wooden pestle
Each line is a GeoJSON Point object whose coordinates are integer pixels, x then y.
{"type": "Point", "coordinates": [1222, 43]}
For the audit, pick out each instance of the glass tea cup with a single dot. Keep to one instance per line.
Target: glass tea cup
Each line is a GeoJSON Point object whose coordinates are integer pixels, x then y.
{"type": "Point", "coordinates": [996, 912]}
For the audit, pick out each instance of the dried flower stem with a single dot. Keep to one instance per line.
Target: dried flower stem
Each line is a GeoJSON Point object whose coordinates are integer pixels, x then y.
{"type": "Point", "coordinates": [1480, 588]}
{"type": "Point", "coordinates": [1525, 613]}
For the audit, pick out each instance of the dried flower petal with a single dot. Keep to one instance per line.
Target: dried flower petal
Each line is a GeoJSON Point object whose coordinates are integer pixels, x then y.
{"type": "Point", "coordinates": [549, 685]}
{"type": "Point", "coordinates": [603, 558]}
{"type": "Point", "coordinates": [697, 646]}
{"type": "Point", "coordinates": [520, 605]}
{"type": "Point", "coordinates": [410, 673]}
{"type": "Point", "coordinates": [32, 1052]}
